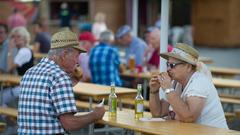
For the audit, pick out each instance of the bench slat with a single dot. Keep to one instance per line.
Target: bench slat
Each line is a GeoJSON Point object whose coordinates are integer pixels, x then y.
{"type": "Point", "coordinates": [9, 111]}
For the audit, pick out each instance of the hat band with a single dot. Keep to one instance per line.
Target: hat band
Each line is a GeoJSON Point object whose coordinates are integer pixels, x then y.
{"type": "Point", "coordinates": [184, 54]}
{"type": "Point", "coordinates": [54, 46]}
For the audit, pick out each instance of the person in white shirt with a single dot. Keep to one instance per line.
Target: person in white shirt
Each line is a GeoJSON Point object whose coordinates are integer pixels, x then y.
{"type": "Point", "coordinates": [184, 92]}
{"type": "Point", "coordinates": [87, 40]}
{"type": "Point", "coordinates": [19, 38]}
{"type": "Point", "coordinates": [99, 25]}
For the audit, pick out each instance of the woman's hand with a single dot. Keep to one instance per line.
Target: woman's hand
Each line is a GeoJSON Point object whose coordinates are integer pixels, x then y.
{"type": "Point", "coordinates": [154, 84]}
{"type": "Point", "coordinates": [165, 80]}
{"type": "Point", "coordinates": [11, 44]}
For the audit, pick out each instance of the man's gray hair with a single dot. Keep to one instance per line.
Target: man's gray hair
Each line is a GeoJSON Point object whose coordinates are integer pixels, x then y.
{"type": "Point", "coordinates": [58, 51]}
{"type": "Point", "coordinates": [106, 36]}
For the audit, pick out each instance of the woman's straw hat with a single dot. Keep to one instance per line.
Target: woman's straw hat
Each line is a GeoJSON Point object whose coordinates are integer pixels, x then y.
{"type": "Point", "coordinates": [184, 53]}
{"type": "Point", "coordinates": [65, 39]}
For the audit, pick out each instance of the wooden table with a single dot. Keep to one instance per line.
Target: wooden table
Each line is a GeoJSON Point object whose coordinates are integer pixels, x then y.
{"type": "Point", "coordinates": [8, 79]}
{"type": "Point", "coordinates": [206, 60]}
{"type": "Point", "coordinates": [2, 126]}
{"type": "Point", "coordinates": [39, 55]}
{"type": "Point", "coordinates": [126, 120]}
{"type": "Point", "coordinates": [227, 83]}
{"type": "Point", "coordinates": [225, 71]}
{"type": "Point", "coordinates": [13, 79]}
{"type": "Point", "coordinates": [12, 112]}
{"type": "Point", "coordinates": [218, 82]}
{"type": "Point", "coordinates": [98, 92]}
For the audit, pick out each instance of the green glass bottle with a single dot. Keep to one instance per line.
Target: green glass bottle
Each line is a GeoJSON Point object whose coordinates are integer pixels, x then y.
{"type": "Point", "coordinates": [112, 101]}
{"type": "Point", "coordinates": [139, 101]}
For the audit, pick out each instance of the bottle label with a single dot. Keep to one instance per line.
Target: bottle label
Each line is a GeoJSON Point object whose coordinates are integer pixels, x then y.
{"type": "Point", "coordinates": [139, 108]}
{"type": "Point", "coordinates": [113, 106]}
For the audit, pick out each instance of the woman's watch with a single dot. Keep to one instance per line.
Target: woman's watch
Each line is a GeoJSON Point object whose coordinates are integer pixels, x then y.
{"type": "Point", "coordinates": [169, 90]}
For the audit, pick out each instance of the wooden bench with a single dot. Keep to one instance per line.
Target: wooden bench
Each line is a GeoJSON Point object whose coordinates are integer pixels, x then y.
{"type": "Point", "coordinates": [222, 95]}
{"type": "Point", "coordinates": [237, 112]}
{"type": "Point", "coordinates": [225, 72]}
{"type": "Point", "coordinates": [12, 112]}
{"type": "Point", "coordinates": [228, 115]}
{"type": "Point", "coordinates": [2, 126]}
{"type": "Point", "coordinates": [129, 101]}
{"type": "Point", "coordinates": [85, 105]}
{"type": "Point", "coordinates": [230, 100]}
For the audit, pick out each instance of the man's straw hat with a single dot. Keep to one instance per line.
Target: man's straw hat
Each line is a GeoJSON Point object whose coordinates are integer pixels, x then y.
{"type": "Point", "coordinates": [184, 53]}
{"type": "Point", "coordinates": [65, 39]}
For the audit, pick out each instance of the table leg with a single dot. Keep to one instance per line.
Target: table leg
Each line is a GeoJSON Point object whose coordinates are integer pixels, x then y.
{"type": "Point", "coordinates": [120, 104]}
{"type": "Point", "coordinates": [1, 93]}
{"type": "Point", "coordinates": [145, 84]}
{"type": "Point", "coordinates": [91, 126]}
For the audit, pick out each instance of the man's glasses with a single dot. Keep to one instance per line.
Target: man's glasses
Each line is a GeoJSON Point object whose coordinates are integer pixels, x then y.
{"type": "Point", "coordinates": [173, 65]}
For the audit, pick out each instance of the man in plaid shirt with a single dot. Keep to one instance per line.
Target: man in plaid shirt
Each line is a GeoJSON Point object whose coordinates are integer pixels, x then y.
{"type": "Point", "coordinates": [104, 61]}
{"type": "Point", "coordinates": [46, 102]}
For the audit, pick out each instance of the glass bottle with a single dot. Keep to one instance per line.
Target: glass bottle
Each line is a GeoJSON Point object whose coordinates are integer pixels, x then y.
{"type": "Point", "coordinates": [112, 101]}
{"type": "Point", "coordinates": [139, 101]}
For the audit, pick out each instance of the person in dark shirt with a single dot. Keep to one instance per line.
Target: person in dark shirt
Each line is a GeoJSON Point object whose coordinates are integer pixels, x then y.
{"type": "Point", "coordinates": [42, 40]}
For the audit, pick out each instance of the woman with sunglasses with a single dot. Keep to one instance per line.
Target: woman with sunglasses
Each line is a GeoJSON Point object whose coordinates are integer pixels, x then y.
{"type": "Point", "coordinates": [184, 92]}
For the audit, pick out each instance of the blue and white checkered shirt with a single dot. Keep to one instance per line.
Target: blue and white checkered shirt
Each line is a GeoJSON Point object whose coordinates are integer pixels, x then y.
{"type": "Point", "coordinates": [104, 65]}
{"type": "Point", "coordinates": [46, 93]}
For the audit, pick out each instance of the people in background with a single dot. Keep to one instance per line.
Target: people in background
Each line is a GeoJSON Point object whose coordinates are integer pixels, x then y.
{"type": "Point", "coordinates": [184, 92]}
{"type": "Point", "coordinates": [134, 46]}
{"type": "Point", "coordinates": [153, 40]}
{"type": "Point", "coordinates": [65, 15]}
{"type": "Point", "coordinates": [42, 39]}
{"type": "Point", "coordinates": [104, 61]}
{"type": "Point", "coordinates": [99, 24]}
{"type": "Point", "coordinates": [16, 19]}
{"type": "Point", "coordinates": [87, 41]}
{"type": "Point", "coordinates": [46, 103]}
{"type": "Point", "coordinates": [4, 41]}
{"type": "Point", "coordinates": [19, 38]}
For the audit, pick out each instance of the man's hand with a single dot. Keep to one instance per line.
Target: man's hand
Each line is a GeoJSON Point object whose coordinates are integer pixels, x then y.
{"type": "Point", "coordinates": [76, 74]}
{"type": "Point", "coordinates": [99, 112]}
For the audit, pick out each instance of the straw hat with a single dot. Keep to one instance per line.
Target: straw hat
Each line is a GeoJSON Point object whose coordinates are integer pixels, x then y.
{"type": "Point", "coordinates": [184, 53]}
{"type": "Point", "coordinates": [65, 39]}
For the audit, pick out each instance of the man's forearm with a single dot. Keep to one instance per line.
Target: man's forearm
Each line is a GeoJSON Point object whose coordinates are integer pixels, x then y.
{"type": "Point", "coordinates": [71, 122]}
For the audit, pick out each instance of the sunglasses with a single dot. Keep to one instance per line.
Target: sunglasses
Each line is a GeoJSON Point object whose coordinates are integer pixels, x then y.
{"type": "Point", "coordinates": [173, 65]}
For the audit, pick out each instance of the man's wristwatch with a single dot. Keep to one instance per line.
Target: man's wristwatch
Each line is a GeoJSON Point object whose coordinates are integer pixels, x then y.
{"type": "Point", "coordinates": [167, 91]}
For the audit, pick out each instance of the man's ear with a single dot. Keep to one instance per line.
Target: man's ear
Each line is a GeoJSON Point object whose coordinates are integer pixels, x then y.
{"type": "Point", "coordinates": [63, 55]}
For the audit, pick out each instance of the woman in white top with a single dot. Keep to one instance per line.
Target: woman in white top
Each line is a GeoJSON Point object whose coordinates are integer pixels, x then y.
{"type": "Point", "coordinates": [99, 25]}
{"type": "Point", "coordinates": [186, 94]}
{"type": "Point", "coordinates": [19, 38]}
